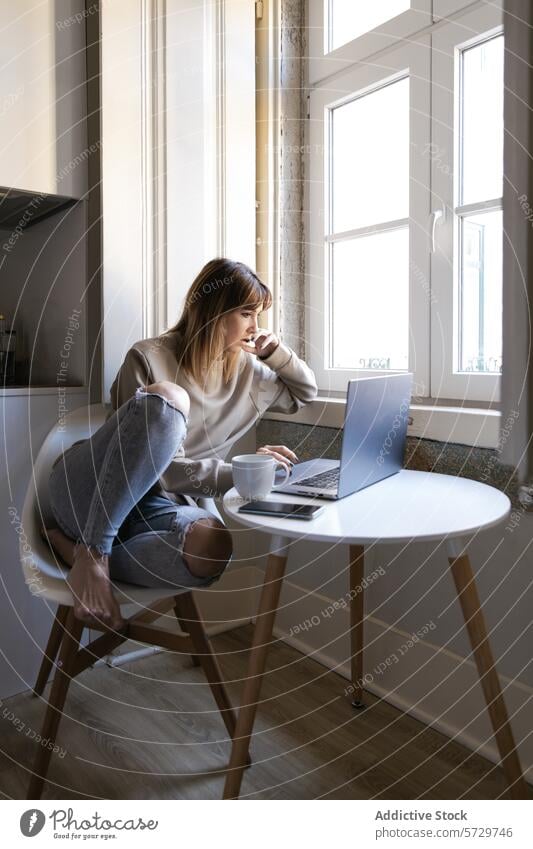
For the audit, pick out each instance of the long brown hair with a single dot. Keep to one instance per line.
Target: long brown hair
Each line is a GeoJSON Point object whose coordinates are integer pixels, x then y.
{"type": "Point", "coordinates": [221, 286]}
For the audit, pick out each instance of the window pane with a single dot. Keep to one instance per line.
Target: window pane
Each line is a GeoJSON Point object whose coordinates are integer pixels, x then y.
{"type": "Point", "coordinates": [370, 301]}
{"type": "Point", "coordinates": [482, 122]}
{"type": "Point", "coordinates": [351, 18]}
{"type": "Point", "coordinates": [480, 340]}
{"type": "Point", "coordinates": [370, 150]}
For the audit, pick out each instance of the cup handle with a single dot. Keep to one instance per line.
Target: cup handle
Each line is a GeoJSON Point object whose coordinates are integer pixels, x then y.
{"type": "Point", "coordinates": [287, 474]}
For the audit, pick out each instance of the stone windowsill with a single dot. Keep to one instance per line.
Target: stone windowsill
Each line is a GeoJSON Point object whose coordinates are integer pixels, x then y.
{"type": "Point", "coordinates": [461, 425]}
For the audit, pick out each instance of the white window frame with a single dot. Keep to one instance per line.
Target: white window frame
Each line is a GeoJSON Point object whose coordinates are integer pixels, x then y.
{"type": "Point", "coordinates": [323, 63]}
{"type": "Point", "coordinates": [211, 138]}
{"type": "Point", "coordinates": [437, 271]}
{"type": "Point", "coordinates": [443, 9]}
{"type": "Point", "coordinates": [413, 60]}
{"type": "Point", "coordinates": [470, 28]}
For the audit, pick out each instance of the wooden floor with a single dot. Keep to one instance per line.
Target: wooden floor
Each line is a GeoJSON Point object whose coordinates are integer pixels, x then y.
{"type": "Point", "coordinates": [149, 730]}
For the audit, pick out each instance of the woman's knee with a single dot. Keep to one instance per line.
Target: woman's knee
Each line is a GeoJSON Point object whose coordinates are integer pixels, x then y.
{"type": "Point", "coordinates": [208, 548]}
{"type": "Point", "coordinates": [174, 394]}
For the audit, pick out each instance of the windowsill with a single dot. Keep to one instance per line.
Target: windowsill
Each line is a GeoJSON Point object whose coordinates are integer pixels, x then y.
{"type": "Point", "coordinates": [462, 425]}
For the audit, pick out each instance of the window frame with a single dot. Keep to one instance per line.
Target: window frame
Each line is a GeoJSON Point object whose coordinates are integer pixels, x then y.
{"type": "Point", "coordinates": [443, 9]}
{"type": "Point", "coordinates": [323, 63]}
{"type": "Point", "coordinates": [485, 21]}
{"type": "Point", "coordinates": [481, 23]}
{"type": "Point", "coordinates": [408, 59]}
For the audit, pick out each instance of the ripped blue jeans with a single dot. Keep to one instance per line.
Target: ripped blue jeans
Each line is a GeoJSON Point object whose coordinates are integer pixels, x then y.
{"type": "Point", "coordinates": [100, 495]}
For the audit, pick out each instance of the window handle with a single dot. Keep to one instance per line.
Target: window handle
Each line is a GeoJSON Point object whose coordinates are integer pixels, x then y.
{"type": "Point", "coordinates": [435, 215]}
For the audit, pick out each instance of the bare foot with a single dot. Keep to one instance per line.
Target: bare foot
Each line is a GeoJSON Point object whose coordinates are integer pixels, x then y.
{"type": "Point", "coordinates": [94, 602]}
{"type": "Point", "coordinates": [61, 544]}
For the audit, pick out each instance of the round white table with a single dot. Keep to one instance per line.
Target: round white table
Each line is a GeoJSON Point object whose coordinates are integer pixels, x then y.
{"type": "Point", "coordinates": [408, 506]}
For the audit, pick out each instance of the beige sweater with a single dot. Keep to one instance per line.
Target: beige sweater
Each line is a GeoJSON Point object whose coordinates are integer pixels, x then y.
{"type": "Point", "coordinates": [281, 382]}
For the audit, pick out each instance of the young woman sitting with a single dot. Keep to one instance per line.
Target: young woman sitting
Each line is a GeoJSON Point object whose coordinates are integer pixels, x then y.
{"type": "Point", "coordinates": [124, 499]}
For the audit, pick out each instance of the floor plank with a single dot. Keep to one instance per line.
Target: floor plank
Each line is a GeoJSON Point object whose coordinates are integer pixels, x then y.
{"type": "Point", "coordinates": [151, 730]}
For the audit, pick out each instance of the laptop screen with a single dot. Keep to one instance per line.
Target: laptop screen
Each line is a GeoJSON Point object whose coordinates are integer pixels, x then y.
{"type": "Point", "coordinates": [375, 427]}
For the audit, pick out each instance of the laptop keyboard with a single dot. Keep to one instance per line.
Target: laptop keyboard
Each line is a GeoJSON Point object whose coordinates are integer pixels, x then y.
{"type": "Point", "coordinates": [324, 480]}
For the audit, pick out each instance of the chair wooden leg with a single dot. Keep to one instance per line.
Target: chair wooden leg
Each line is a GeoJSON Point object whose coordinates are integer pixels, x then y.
{"type": "Point", "coordinates": [264, 624]}
{"type": "Point", "coordinates": [183, 625]}
{"type": "Point", "coordinates": [357, 613]}
{"type": "Point", "coordinates": [190, 620]}
{"type": "Point", "coordinates": [58, 693]}
{"type": "Point", "coordinates": [52, 648]}
{"type": "Point", "coordinates": [477, 632]}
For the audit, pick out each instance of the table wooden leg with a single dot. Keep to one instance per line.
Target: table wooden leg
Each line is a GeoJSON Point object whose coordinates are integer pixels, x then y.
{"type": "Point", "coordinates": [488, 676]}
{"type": "Point", "coordinates": [264, 624]}
{"type": "Point", "coordinates": [357, 613]}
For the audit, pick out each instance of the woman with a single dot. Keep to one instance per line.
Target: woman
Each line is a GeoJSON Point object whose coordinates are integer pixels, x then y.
{"type": "Point", "coordinates": [124, 499]}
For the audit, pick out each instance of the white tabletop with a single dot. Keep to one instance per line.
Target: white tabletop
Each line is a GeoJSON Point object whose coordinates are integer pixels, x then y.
{"type": "Point", "coordinates": [406, 506]}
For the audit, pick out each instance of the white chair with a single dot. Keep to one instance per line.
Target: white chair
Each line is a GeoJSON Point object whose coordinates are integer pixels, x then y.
{"type": "Point", "coordinates": [45, 577]}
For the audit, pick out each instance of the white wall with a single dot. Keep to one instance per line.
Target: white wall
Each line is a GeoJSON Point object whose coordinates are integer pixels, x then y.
{"type": "Point", "coordinates": [418, 587]}
{"type": "Point", "coordinates": [435, 680]}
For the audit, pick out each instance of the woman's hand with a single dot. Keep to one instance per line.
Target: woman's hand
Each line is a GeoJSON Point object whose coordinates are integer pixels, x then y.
{"type": "Point", "coordinates": [265, 343]}
{"type": "Point", "coordinates": [280, 453]}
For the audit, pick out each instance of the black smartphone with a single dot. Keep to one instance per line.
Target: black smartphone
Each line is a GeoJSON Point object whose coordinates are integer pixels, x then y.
{"type": "Point", "coordinates": [282, 509]}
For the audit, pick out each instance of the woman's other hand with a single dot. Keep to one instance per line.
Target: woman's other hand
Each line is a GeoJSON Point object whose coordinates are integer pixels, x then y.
{"type": "Point", "coordinates": [265, 343]}
{"type": "Point", "coordinates": [280, 453]}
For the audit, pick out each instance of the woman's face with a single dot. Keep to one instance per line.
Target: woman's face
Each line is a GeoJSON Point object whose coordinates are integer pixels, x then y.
{"type": "Point", "coordinates": [241, 326]}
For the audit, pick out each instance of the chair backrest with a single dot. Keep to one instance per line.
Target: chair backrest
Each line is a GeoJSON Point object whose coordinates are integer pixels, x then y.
{"type": "Point", "coordinates": [79, 424]}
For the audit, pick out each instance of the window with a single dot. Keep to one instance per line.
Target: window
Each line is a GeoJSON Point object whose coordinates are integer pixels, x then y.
{"type": "Point", "coordinates": [369, 242]}
{"type": "Point", "coordinates": [480, 215]}
{"type": "Point", "coordinates": [342, 32]}
{"type": "Point", "coordinates": [344, 26]}
{"type": "Point", "coordinates": [405, 208]}
{"type": "Point", "coordinates": [467, 186]}
{"type": "Point", "coordinates": [368, 255]}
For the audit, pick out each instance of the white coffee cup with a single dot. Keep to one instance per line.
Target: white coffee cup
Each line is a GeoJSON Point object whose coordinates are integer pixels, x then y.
{"type": "Point", "coordinates": [253, 475]}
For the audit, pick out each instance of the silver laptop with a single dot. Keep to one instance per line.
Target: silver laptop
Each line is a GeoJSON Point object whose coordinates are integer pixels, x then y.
{"type": "Point", "coordinates": [373, 440]}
